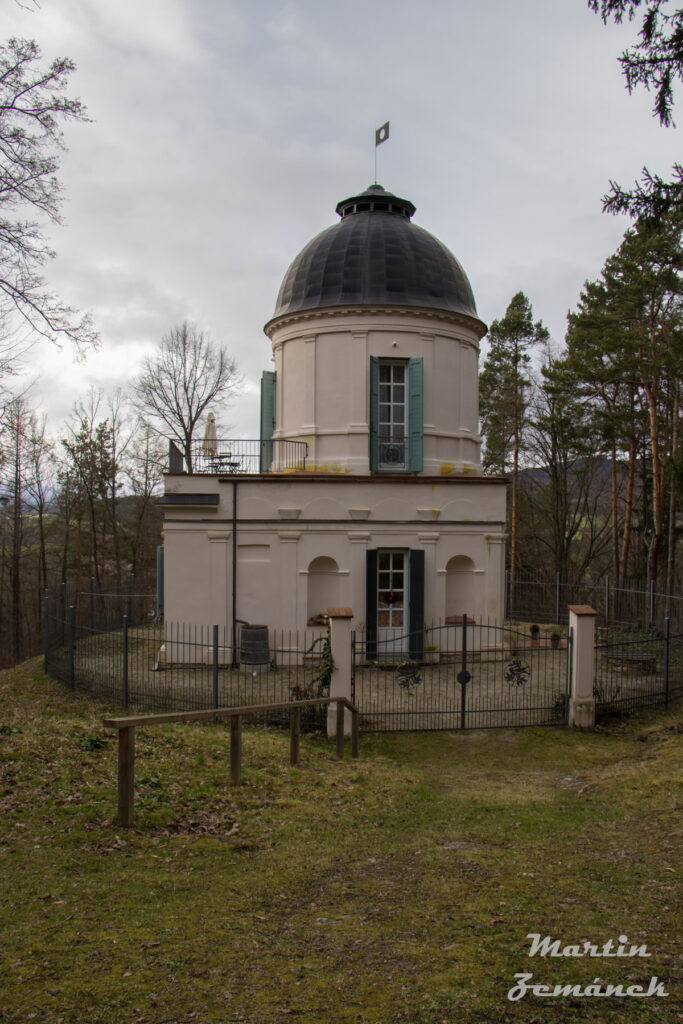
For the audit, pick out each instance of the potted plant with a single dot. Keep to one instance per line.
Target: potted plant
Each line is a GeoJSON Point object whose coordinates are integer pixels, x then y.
{"type": "Point", "coordinates": [555, 638]}
{"type": "Point", "coordinates": [535, 633]}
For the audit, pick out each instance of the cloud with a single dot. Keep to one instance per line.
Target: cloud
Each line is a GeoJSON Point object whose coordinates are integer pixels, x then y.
{"type": "Point", "coordinates": [225, 133]}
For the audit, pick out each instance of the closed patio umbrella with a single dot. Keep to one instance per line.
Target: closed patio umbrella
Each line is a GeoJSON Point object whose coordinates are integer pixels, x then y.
{"type": "Point", "coordinates": [210, 442]}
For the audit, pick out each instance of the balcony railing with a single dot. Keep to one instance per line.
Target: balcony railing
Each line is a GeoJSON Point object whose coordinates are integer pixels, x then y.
{"type": "Point", "coordinates": [393, 451]}
{"type": "Point", "coordinates": [239, 456]}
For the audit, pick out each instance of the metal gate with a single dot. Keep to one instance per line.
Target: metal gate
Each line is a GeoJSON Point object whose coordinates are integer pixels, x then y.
{"type": "Point", "coordinates": [469, 676]}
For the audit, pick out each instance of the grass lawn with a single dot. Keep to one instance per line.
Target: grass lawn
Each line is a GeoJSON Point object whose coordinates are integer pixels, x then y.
{"type": "Point", "coordinates": [398, 888]}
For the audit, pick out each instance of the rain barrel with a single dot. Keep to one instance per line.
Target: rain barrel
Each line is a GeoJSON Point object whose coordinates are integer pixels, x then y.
{"type": "Point", "coordinates": [254, 648]}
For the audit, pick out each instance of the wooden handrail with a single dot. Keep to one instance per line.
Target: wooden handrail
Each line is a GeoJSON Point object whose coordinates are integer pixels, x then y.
{"type": "Point", "coordinates": [127, 725]}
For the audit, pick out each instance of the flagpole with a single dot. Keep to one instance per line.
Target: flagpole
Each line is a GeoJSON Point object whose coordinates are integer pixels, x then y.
{"type": "Point", "coordinates": [381, 135]}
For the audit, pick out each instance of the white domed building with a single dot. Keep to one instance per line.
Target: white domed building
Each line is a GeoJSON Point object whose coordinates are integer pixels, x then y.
{"type": "Point", "coordinates": [368, 490]}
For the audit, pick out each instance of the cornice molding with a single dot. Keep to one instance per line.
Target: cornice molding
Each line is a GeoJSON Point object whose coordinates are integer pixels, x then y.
{"type": "Point", "coordinates": [342, 312]}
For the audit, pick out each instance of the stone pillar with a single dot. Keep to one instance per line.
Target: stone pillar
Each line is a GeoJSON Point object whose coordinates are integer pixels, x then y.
{"type": "Point", "coordinates": [358, 420]}
{"type": "Point", "coordinates": [359, 546]}
{"type": "Point", "coordinates": [288, 601]}
{"type": "Point", "coordinates": [308, 391]}
{"type": "Point", "coordinates": [431, 608]}
{"type": "Point", "coordinates": [220, 576]}
{"type": "Point", "coordinates": [340, 686]}
{"type": "Point", "coordinates": [581, 699]}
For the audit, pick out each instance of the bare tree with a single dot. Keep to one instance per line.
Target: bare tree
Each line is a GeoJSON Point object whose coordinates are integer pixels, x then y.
{"type": "Point", "coordinates": [32, 109]}
{"type": "Point", "coordinates": [13, 452]}
{"type": "Point", "coordinates": [121, 434]}
{"type": "Point", "coordinates": [40, 487]}
{"type": "Point", "coordinates": [144, 470]}
{"type": "Point", "coordinates": [187, 374]}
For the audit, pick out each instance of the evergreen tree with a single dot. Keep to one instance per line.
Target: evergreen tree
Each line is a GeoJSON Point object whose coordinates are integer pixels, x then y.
{"type": "Point", "coordinates": [627, 337]}
{"type": "Point", "coordinates": [599, 360]}
{"type": "Point", "coordinates": [504, 389]}
{"type": "Point", "coordinates": [564, 510]}
{"type": "Point", "coordinates": [655, 62]}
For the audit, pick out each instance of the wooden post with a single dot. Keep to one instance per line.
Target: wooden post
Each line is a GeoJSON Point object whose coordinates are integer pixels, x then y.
{"type": "Point", "coordinates": [294, 734]}
{"type": "Point", "coordinates": [126, 728]}
{"type": "Point", "coordinates": [340, 730]}
{"type": "Point", "coordinates": [126, 776]}
{"type": "Point", "coordinates": [236, 750]}
{"type": "Point", "coordinates": [354, 734]}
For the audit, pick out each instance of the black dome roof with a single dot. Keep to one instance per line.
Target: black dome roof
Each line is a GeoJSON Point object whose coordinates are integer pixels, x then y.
{"type": "Point", "coordinates": [375, 255]}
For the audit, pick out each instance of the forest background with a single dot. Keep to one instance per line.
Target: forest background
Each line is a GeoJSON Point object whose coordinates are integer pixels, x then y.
{"type": "Point", "coordinates": [588, 431]}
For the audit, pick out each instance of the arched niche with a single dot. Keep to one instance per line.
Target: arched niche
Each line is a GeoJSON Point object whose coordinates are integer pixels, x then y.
{"type": "Point", "coordinates": [323, 585]}
{"type": "Point", "coordinates": [460, 586]}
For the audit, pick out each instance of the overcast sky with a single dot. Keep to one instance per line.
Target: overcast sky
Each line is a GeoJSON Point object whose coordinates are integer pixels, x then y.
{"type": "Point", "coordinates": [224, 132]}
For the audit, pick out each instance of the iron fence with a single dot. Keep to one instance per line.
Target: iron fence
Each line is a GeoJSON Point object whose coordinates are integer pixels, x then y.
{"type": "Point", "coordinates": [637, 668]}
{"type": "Point", "coordinates": [469, 676]}
{"type": "Point", "coordinates": [179, 667]}
{"type": "Point", "coordinates": [456, 675]}
{"type": "Point", "coordinates": [533, 597]}
{"type": "Point", "coordinates": [100, 608]}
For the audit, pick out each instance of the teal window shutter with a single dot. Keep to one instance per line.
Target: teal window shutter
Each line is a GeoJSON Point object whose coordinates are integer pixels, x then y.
{"type": "Point", "coordinates": [415, 415]}
{"type": "Point", "coordinates": [268, 378]}
{"type": "Point", "coordinates": [374, 414]}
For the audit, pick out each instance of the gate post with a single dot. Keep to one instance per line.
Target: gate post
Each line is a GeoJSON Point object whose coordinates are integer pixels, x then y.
{"type": "Point", "coordinates": [581, 699]}
{"type": "Point", "coordinates": [340, 685]}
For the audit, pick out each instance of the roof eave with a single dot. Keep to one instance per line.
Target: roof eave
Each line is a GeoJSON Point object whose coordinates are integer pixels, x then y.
{"type": "Point", "coordinates": [373, 309]}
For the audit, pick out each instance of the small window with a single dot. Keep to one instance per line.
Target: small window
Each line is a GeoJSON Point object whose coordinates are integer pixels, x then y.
{"type": "Point", "coordinates": [395, 415]}
{"type": "Point", "coordinates": [392, 422]}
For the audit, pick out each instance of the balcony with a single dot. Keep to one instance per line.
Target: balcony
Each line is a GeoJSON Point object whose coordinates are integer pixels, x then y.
{"type": "Point", "coordinates": [238, 456]}
{"type": "Point", "coordinates": [393, 451]}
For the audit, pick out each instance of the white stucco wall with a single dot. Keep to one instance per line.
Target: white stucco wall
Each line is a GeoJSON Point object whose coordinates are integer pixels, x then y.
{"type": "Point", "coordinates": [322, 364]}
{"type": "Point", "coordinates": [284, 523]}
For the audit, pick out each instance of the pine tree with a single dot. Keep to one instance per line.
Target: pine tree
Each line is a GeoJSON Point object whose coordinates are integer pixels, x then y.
{"type": "Point", "coordinates": [655, 62]}
{"type": "Point", "coordinates": [626, 339]}
{"type": "Point", "coordinates": [504, 390]}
